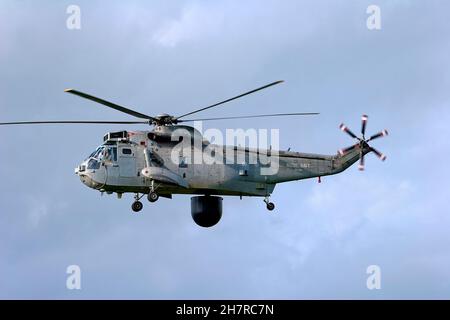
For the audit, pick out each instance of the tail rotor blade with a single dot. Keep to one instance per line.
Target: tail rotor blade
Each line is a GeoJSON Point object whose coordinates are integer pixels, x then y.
{"type": "Point", "coordinates": [364, 119]}
{"type": "Point", "coordinates": [344, 128]}
{"type": "Point", "coordinates": [345, 150]}
{"type": "Point", "coordinates": [379, 154]}
{"type": "Point", "coordinates": [361, 161]}
{"type": "Point", "coordinates": [362, 146]}
{"type": "Point", "coordinates": [378, 135]}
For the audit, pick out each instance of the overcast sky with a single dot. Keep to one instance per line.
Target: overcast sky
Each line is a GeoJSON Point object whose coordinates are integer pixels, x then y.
{"type": "Point", "coordinates": [159, 57]}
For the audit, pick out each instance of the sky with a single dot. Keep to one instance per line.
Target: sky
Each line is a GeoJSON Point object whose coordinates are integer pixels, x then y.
{"type": "Point", "coordinates": [156, 57]}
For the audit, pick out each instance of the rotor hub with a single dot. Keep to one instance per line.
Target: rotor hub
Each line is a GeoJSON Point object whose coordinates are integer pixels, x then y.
{"type": "Point", "coordinates": [164, 119]}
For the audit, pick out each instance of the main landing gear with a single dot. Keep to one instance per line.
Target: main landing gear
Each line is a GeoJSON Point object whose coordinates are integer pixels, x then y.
{"type": "Point", "coordinates": [151, 197]}
{"type": "Point", "coordinates": [270, 205]}
{"type": "Point", "coordinates": [137, 205]}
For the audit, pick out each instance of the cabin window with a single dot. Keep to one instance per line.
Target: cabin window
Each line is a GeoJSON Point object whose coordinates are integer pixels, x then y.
{"type": "Point", "coordinates": [126, 151]}
{"type": "Point", "coordinates": [243, 171]}
{"type": "Point", "coordinates": [182, 162]}
{"type": "Point", "coordinates": [111, 154]}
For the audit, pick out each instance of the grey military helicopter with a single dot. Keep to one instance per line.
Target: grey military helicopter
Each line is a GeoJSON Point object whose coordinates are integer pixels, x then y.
{"type": "Point", "coordinates": [142, 162]}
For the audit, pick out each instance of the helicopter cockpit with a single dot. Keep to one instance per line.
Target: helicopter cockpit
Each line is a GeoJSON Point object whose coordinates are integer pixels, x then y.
{"type": "Point", "coordinates": [106, 153]}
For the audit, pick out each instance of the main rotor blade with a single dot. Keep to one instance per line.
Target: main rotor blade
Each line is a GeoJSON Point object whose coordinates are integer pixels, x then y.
{"type": "Point", "coordinates": [72, 122]}
{"type": "Point", "coordinates": [109, 104]}
{"type": "Point", "coordinates": [378, 135]}
{"type": "Point", "coordinates": [364, 119]}
{"type": "Point", "coordinates": [255, 116]}
{"type": "Point", "coordinates": [378, 153]}
{"type": "Point", "coordinates": [231, 99]}
{"type": "Point", "coordinates": [344, 128]}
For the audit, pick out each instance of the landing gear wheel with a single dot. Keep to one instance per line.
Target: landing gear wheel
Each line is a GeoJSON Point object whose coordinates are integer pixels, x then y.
{"type": "Point", "coordinates": [152, 196]}
{"type": "Point", "coordinates": [137, 206]}
{"type": "Point", "coordinates": [270, 206]}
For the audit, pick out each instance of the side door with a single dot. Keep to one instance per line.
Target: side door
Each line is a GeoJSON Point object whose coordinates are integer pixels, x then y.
{"type": "Point", "coordinates": [110, 163]}
{"type": "Point", "coordinates": [127, 161]}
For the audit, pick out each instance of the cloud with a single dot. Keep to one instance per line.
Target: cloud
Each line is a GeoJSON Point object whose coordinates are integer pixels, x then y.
{"type": "Point", "coordinates": [40, 207]}
{"type": "Point", "coordinates": [162, 56]}
{"type": "Point", "coordinates": [38, 211]}
{"type": "Point", "coordinates": [194, 22]}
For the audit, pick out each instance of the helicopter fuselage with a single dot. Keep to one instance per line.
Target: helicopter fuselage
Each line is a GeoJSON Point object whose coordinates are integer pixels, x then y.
{"type": "Point", "coordinates": [142, 161]}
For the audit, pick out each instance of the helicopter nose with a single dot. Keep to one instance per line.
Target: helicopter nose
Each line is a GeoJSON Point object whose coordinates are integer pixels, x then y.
{"type": "Point", "coordinates": [87, 180]}
{"type": "Point", "coordinates": [87, 177]}
{"type": "Point", "coordinates": [80, 169]}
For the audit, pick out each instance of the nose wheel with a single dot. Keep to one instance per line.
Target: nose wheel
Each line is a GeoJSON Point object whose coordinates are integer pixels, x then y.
{"type": "Point", "coordinates": [269, 205]}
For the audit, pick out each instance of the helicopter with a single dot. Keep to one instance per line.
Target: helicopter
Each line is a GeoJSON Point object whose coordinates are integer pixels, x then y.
{"type": "Point", "coordinates": [145, 163]}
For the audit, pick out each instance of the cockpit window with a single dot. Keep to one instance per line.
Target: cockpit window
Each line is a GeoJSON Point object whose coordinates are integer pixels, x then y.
{"type": "Point", "coordinates": [96, 153]}
{"type": "Point", "coordinates": [110, 153]}
{"type": "Point", "coordinates": [104, 153]}
{"type": "Point", "coordinates": [93, 164]}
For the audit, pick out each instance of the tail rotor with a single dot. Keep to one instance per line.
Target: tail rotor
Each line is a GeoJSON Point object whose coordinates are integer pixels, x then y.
{"type": "Point", "coordinates": [363, 142]}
